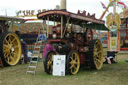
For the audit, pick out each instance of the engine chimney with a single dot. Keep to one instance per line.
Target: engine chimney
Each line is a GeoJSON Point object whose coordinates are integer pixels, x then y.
{"type": "Point", "coordinates": [63, 5]}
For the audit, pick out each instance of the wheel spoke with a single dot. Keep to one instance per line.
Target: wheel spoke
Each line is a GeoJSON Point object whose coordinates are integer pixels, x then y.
{"type": "Point", "coordinates": [71, 58]}
{"type": "Point", "coordinates": [99, 53]}
{"type": "Point", "coordinates": [5, 50]}
{"type": "Point", "coordinates": [75, 58]}
{"type": "Point", "coordinates": [16, 46]}
{"type": "Point", "coordinates": [12, 54]}
{"type": "Point", "coordinates": [7, 58]}
{"type": "Point", "coordinates": [49, 63]}
{"type": "Point", "coordinates": [71, 66]}
{"type": "Point", "coordinates": [75, 68]}
{"type": "Point", "coordinates": [98, 62]}
{"type": "Point", "coordinates": [6, 41]}
{"type": "Point", "coordinates": [11, 57]}
{"type": "Point", "coordinates": [13, 40]}
{"type": "Point", "coordinates": [95, 54]}
{"type": "Point", "coordinates": [10, 39]}
{"type": "Point", "coordinates": [5, 46]}
{"type": "Point", "coordinates": [7, 55]}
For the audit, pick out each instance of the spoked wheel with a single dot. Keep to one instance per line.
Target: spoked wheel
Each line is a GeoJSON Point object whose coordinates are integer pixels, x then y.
{"type": "Point", "coordinates": [73, 62]}
{"type": "Point", "coordinates": [96, 54]}
{"type": "Point", "coordinates": [10, 50]}
{"type": "Point", "coordinates": [48, 62]}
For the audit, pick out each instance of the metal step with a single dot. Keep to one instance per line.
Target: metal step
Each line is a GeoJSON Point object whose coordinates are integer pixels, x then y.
{"type": "Point", "coordinates": [38, 42]}
{"type": "Point", "coordinates": [34, 56]}
{"type": "Point", "coordinates": [37, 46]}
{"type": "Point", "coordinates": [36, 52]}
{"type": "Point", "coordinates": [31, 72]}
{"type": "Point", "coordinates": [33, 61]}
{"type": "Point", "coordinates": [32, 67]}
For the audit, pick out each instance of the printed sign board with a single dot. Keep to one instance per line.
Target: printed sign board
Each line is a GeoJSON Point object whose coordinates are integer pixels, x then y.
{"type": "Point", "coordinates": [114, 39]}
{"type": "Point", "coordinates": [59, 65]}
{"type": "Point", "coordinates": [29, 12]}
{"type": "Point", "coordinates": [113, 44]}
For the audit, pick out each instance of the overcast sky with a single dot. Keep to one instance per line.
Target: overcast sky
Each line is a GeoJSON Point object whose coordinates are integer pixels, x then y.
{"type": "Point", "coordinates": [92, 6]}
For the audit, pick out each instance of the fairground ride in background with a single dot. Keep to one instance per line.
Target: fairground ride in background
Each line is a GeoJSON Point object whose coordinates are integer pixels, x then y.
{"type": "Point", "coordinates": [123, 26]}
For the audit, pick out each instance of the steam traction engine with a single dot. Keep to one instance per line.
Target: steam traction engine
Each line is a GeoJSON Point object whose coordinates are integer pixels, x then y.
{"type": "Point", "coordinates": [72, 35]}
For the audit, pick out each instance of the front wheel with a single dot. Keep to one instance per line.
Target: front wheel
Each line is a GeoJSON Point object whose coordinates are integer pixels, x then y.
{"type": "Point", "coordinates": [48, 62]}
{"type": "Point", "coordinates": [73, 62]}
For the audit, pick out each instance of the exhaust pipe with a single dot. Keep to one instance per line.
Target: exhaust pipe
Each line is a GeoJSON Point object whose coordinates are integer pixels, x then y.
{"type": "Point", "coordinates": [63, 5]}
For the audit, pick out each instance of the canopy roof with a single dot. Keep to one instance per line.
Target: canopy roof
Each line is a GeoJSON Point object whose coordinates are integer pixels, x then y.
{"type": "Point", "coordinates": [96, 26]}
{"type": "Point", "coordinates": [7, 18]}
{"type": "Point", "coordinates": [77, 19]}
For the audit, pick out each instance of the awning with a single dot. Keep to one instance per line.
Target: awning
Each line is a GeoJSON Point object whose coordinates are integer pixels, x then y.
{"type": "Point", "coordinates": [96, 26]}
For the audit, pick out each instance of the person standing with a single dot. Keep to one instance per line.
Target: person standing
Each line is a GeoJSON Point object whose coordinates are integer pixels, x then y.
{"type": "Point", "coordinates": [24, 50]}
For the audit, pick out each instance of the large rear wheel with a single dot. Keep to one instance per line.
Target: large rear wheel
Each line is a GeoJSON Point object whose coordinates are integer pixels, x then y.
{"type": "Point", "coordinates": [73, 62]}
{"type": "Point", "coordinates": [96, 54]}
{"type": "Point", "coordinates": [10, 48]}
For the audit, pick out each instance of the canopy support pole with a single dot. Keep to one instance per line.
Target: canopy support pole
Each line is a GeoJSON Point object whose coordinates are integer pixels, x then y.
{"type": "Point", "coordinates": [61, 26]}
{"type": "Point", "coordinates": [47, 26]}
{"type": "Point", "coordinates": [67, 24]}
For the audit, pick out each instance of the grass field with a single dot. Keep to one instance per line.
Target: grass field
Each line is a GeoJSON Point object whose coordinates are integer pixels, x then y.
{"type": "Point", "coordinates": [114, 74]}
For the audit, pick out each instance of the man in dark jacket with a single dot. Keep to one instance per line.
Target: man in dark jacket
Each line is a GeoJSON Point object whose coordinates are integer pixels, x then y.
{"type": "Point", "coordinates": [24, 50]}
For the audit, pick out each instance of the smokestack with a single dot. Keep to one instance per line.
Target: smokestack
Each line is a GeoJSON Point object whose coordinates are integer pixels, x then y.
{"type": "Point", "coordinates": [63, 5]}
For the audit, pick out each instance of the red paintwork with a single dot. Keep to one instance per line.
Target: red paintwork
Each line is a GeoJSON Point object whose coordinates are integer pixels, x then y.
{"type": "Point", "coordinates": [82, 58]}
{"type": "Point", "coordinates": [123, 48]}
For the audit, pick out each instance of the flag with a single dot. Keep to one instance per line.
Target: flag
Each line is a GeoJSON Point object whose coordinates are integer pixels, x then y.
{"type": "Point", "coordinates": [121, 4]}
{"type": "Point", "coordinates": [103, 5]}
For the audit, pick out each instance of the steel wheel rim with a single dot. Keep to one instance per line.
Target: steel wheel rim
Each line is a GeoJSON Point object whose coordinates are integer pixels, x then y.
{"type": "Point", "coordinates": [74, 63]}
{"type": "Point", "coordinates": [12, 49]}
{"type": "Point", "coordinates": [50, 62]}
{"type": "Point", "coordinates": [98, 55]}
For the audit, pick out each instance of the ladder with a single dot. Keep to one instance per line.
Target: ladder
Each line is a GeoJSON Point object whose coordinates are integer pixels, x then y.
{"type": "Point", "coordinates": [36, 54]}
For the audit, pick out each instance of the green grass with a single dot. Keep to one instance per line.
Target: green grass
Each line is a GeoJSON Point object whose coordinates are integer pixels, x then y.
{"type": "Point", "coordinates": [114, 74]}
